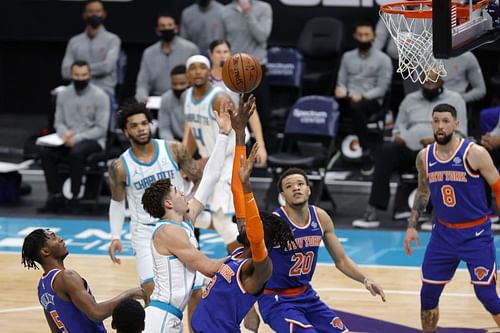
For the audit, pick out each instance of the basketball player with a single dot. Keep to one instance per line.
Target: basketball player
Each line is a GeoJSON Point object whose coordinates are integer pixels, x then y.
{"type": "Point", "coordinates": [146, 161]}
{"type": "Point", "coordinates": [67, 302]}
{"type": "Point", "coordinates": [289, 303]}
{"type": "Point", "coordinates": [176, 257]}
{"type": "Point", "coordinates": [240, 280]}
{"type": "Point", "coordinates": [219, 53]}
{"type": "Point", "coordinates": [451, 172]}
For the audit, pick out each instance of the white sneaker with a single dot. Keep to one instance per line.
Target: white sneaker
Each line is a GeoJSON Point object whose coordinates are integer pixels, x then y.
{"type": "Point", "coordinates": [427, 226]}
{"type": "Point", "coordinates": [495, 227]}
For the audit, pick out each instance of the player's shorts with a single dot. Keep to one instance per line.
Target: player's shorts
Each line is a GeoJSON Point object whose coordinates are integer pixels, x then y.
{"type": "Point", "coordinates": [141, 244]}
{"type": "Point", "coordinates": [159, 320]}
{"type": "Point", "coordinates": [301, 313]}
{"type": "Point", "coordinates": [448, 246]}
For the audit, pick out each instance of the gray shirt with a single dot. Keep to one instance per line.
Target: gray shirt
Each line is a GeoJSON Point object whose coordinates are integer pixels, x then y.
{"type": "Point", "coordinates": [465, 77]}
{"type": "Point", "coordinates": [414, 120]}
{"type": "Point", "coordinates": [154, 74]}
{"type": "Point", "coordinates": [383, 40]}
{"type": "Point", "coordinates": [249, 33]}
{"type": "Point", "coordinates": [170, 117]}
{"type": "Point", "coordinates": [369, 76]}
{"type": "Point", "coordinates": [85, 114]}
{"type": "Point", "coordinates": [101, 52]}
{"type": "Point", "coordinates": [202, 25]}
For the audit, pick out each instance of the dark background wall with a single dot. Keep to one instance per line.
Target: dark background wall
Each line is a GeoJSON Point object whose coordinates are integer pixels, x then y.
{"type": "Point", "coordinates": [34, 33]}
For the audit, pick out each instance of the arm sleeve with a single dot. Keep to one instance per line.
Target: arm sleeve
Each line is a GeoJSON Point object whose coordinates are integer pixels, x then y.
{"type": "Point", "coordinates": [236, 186]}
{"type": "Point", "coordinates": [342, 77]}
{"type": "Point", "coordinates": [116, 218]}
{"type": "Point", "coordinates": [59, 121]}
{"type": "Point", "coordinates": [254, 229]}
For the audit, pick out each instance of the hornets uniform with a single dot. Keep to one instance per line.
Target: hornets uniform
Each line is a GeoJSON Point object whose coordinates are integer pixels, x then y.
{"type": "Point", "coordinates": [224, 302]}
{"type": "Point", "coordinates": [66, 316]}
{"type": "Point", "coordinates": [174, 282]}
{"type": "Point", "coordinates": [289, 303]}
{"type": "Point", "coordinates": [140, 176]}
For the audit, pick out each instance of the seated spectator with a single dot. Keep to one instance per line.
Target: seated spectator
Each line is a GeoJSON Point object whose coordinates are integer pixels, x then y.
{"type": "Point", "coordinates": [128, 317]}
{"type": "Point", "coordinates": [81, 120]}
{"type": "Point", "coordinates": [171, 113]}
{"type": "Point", "coordinates": [364, 78]}
{"type": "Point", "coordinates": [97, 46]}
{"type": "Point", "coordinates": [201, 23]}
{"type": "Point", "coordinates": [161, 57]}
{"type": "Point", "coordinates": [411, 133]}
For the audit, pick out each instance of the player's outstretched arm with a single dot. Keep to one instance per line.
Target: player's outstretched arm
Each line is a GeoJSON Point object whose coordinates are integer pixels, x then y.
{"type": "Point", "coordinates": [341, 259]}
{"type": "Point", "coordinates": [70, 283]}
{"type": "Point", "coordinates": [420, 203]}
{"type": "Point", "coordinates": [117, 178]}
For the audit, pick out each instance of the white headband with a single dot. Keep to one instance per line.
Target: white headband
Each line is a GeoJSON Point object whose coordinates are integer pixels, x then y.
{"type": "Point", "coordinates": [197, 58]}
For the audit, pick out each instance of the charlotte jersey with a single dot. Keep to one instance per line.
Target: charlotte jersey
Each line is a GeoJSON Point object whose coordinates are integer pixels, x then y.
{"type": "Point", "coordinates": [457, 192]}
{"type": "Point", "coordinates": [295, 266]}
{"type": "Point", "coordinates": [141, 175]}
{"type": "Point", "coordinates": [173, 279]}
{"type": "Point", "coordinates": [64, 314]}
{"type": "Point", "coordinates": [225, 303]}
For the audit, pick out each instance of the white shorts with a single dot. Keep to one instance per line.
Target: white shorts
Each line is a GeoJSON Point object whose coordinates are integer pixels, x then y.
{"type": "Point", "coordinates": [160, 321]}
{"type": "Point", "coordinates": [142, 235]}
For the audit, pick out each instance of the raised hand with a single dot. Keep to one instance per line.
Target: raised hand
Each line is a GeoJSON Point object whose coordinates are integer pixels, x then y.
{"type": "Point", "coordinates": [247, 164]}
{"type": "Point", "coordinates": [239, 119]}
{"type": "Point", "coordinates": [223, 117]}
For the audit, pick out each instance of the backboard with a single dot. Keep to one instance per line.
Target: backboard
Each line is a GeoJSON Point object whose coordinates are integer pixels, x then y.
{"type": "Point", "coordinates": [462, 25]}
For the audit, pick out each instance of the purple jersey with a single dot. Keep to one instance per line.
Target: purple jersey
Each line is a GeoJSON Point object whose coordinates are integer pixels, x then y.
{"type": "Point", "coordinates": [294, 267]}
{"type": "Point", "coordinates": [65, 315]}
{"type": "Point", "coordinates": [457, 192]}
{"type": "Point", "coordinates": [225, 303]}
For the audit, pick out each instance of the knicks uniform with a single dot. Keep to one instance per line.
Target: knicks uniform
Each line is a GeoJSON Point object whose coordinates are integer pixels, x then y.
{"type": "Point", "coordinates": [65, 315]}
{"type": "Point", "coordinates": [140, 176]}
{"type": "Point", "coordinates": [289, 304]}
{"type": "Point", "coordinates": [224, 302]}
{"type": "Point", "coordinates": [201, 118]}
{"type": "Point", "coordinates": [462, 230]}
{"type": "Point", "coordinates": [174, 282]}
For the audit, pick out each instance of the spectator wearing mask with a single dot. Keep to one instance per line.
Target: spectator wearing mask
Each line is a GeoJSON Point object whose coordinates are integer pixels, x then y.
{"type": "Point", "coordinates": [161, 57]}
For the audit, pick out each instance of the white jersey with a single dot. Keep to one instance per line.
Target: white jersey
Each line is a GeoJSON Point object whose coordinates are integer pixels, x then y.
{"type": "Point", "coordinates": [173, 280]}
{"type": "Point", "coordinates": [141, 175]}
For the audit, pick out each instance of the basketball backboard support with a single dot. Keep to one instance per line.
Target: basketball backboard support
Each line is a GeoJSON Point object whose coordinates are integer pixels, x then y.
{"type": "Point", "coordinates": [462, 25]}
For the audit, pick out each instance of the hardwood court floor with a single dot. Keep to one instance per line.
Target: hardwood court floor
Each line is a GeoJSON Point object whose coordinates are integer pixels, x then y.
{"type": "Point", "coordinates": [21, 312]}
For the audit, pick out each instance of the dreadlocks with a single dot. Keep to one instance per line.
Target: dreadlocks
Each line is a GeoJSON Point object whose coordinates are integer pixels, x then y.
{"type": "Point", "coordinates": [153, 197]}
{"type": "Point", "coordinates": [276, 231]}
{"type": "Point", "coordinates": [31, 248]}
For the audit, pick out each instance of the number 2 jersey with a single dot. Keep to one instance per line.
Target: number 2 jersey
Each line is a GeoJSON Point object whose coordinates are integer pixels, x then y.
{"type": "Point", "coordinates": [65, 315]}
{"type": "Point", "coordinates": [457, 191]}
{"type": "Point", "coordinates": [294, 267]}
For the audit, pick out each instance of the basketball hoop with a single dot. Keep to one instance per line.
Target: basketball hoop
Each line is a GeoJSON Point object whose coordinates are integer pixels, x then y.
{"type": "Point", "coordinates": [410, 25]}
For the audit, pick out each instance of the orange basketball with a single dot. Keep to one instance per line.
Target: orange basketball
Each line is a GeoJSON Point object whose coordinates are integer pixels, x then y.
{"type": "Point", "coordinates": [242, 73]}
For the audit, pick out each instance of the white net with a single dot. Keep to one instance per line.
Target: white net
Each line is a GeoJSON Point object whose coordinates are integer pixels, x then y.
{"type": "Point", "coordinates": [413, 38]}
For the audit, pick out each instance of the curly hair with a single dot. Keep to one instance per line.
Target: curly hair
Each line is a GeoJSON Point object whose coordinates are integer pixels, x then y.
{"type": "Point", "coordinates": [289, 172]}
{"type": "Point", "coordinates": [130, 109]}
{"type": "Point", "coordinates": [276, 231]}
{"type": "Point", "coordinates": [128, 316]}
{"type": "Point", "coordinates": [31, 248]}
{"type": "Point", "coordinates": [153, 197]}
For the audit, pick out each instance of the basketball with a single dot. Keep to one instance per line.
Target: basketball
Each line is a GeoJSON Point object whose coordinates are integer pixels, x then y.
{"type": "Point", "coordinates": [242, 73]}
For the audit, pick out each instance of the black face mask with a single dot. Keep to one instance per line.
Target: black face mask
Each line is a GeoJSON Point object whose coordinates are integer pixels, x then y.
{"type": "Point", "coordinates": [94, 21]}
{"type": "Point", "coordinates": [80, 84]}
{"type": "Point", "coordinates": [364, 46]}
{"type": "Point", "coordinates": [431, 94]}
{"type": "Point", "coordinates": [167, 35]}
{"type": "Point", "coordinates": [178, 92]}
{"type": "Point", "coordinates": [203, 3]}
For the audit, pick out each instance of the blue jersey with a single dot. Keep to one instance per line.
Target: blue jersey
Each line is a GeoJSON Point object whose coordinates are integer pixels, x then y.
{"type": "Point", "coordinates": [65, 315]}
{"type": "Point", "coordinates": [224, 302]}
{"type": "Point", "coordinates": [457, 192]}
{"type": "Point", "coordinates": [294, 267]}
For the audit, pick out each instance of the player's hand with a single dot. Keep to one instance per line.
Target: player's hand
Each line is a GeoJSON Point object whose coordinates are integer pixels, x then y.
{"type": "Point", "coordinates": [247, 164]}
{"type": "Point", "coordinates": [223, 117]}
{"type": "Point", "coordinates": [139, 293]}
{"type": "Point", "coordinates": [116, 245]}
{"type": "Point", "coordinates": [411, 235]}
{"type": "Point", "coordinates": [374, 288]}
{"type": "Point", "coordinates": [239, 118]}
{"type": "Point", "coordinates": [340, 92]}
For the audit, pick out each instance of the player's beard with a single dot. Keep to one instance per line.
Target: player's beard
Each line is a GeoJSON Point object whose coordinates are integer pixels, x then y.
{"type": "Point", "coordinates": [443, 140]}
{"type": "Point", "coordinates": [141, 143]}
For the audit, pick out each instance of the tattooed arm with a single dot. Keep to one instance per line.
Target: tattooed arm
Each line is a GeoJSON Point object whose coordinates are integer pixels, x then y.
{"type": "Point", "coordinates": [117, 181]}
{"type": "Point", "coordinates": [189, 166]}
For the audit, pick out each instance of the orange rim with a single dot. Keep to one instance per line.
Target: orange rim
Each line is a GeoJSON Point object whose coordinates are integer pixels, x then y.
{"type": "Point", "coordinates": [462, 9]}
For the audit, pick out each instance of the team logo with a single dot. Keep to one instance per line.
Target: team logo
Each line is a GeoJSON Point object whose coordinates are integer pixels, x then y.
{"type": "Point", "coordinates": [314, 225]}
{"type": "Point", "coordinates": [481, 272]}
{"type": "Point", "coordinates": [337, 323]}
{"type": "Point", "coordinates": [457, 160]}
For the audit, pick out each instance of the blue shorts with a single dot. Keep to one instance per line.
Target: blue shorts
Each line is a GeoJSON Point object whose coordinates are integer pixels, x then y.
{"type": "Point", "coordinates": [447, 247]}
{"type": "Point", "coordinates": [302, 313]}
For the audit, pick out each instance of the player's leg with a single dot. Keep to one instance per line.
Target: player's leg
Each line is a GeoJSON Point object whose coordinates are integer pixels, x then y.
{"type": "Point", "coordinates": [439, 266]}
{"type": "Point", "coordinates": [319, 315]}
{"type": "Point", "coordinates": [160, 321]}
{"type": "Point", "coordinates": [141, 244]}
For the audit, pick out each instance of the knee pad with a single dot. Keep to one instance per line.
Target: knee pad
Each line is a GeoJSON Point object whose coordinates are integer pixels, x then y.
{"type": "Point", "coordinates": [429, 295]}
{"type": "Point", "coordinates": [224, 226]}
{"type": "Point", "coordinates": [487, 295]}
